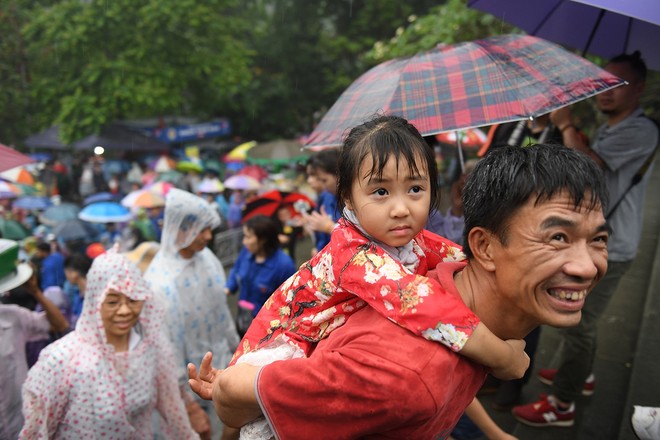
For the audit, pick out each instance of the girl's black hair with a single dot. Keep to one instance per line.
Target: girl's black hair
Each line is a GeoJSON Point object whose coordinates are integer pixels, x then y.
{"type": "Point", "coordinates": [381, 138]}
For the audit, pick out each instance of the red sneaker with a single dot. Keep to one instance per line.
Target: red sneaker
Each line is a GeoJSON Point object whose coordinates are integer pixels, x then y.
{"type": "Point", "coordinates": [547, 376]}
{"type": "Point", "coordinates": [544, 413]}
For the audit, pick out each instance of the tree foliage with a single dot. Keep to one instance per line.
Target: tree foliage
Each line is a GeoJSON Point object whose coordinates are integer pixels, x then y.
{"type": "Point", "coordinates": [96, 61]}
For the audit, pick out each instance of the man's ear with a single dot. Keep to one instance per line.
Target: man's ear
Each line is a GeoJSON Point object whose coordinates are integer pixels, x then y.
{"type": "Point", "coordinates": [482, 245]}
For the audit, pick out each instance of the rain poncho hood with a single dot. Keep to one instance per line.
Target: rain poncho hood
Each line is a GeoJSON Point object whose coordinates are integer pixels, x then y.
{"type": "Point", "coordinates": [186, 215]}
{"type": "Point", "coordinates": [82, 388]}
{"type": "Point", "coordinates": [192, 289]}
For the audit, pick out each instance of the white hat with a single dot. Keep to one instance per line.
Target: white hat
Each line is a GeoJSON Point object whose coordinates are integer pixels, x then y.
{"type": "Point", "coordinates": [12, 273]}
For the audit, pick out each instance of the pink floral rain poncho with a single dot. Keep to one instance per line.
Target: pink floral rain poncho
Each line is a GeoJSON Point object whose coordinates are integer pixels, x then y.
{"type": "Point", "coordinates": [82, 388]}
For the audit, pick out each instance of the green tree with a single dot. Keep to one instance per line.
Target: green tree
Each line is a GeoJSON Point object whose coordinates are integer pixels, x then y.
{"type": "Point", "coordinates": [307, 53]}
{"type": "Point", "coordinates": [96, 61]}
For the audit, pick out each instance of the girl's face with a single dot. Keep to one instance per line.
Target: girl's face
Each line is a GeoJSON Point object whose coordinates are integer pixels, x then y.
{"type": "Point", "coordinates": [251, 241]}
{"type": "Point", "coordinates": [119, 314]}
{"type": "Point", "coordinates": [328, 180]}
{"type": "Point", "coordinates": [395, 207]}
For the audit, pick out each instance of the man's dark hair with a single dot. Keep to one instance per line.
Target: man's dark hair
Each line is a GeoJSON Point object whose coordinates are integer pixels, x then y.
{"type": "Point", "coordinates": [44, 247]}
{"type": "Point", "coordinates": [382, 138]}
{"type": "Point", "coordinates": [507, 177]}
{"type": "Point", "coordinates": [266, 229]}
{"type": "Point", "coordinates": [78, 262]}
{"type": "Point", "coordinates": [635, 61]}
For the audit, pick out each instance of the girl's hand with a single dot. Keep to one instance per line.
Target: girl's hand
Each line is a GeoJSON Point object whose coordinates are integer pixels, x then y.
{"type": "Point", "coordinates": [202, 383]}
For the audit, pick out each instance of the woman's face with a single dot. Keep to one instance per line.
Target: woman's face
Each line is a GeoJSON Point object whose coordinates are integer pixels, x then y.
{"type": "Point", "coordinates": [329, 180]}
{"type": "Point", "coordinates": [251, 241]}
{"type": "Point", "coordinates": [119, 314]}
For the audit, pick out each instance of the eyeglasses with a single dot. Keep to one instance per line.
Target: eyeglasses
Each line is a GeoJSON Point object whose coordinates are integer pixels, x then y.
{"type": "Point", "coordinates": [115, 304]}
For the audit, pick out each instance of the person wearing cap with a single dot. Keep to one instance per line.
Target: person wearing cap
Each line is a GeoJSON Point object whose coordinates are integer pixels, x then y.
{"type": "Point", "coordinates": [19, 325]}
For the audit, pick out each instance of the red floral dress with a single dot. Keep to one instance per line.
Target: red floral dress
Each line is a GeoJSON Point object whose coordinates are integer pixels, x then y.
{"type": "Point", "coordinates": [352, 272]}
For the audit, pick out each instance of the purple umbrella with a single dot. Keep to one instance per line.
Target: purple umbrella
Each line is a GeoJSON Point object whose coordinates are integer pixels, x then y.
{"type": "Point", "coordinates": [601, 27]}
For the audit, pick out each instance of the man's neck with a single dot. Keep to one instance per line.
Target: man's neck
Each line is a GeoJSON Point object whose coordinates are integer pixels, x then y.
{"type": "Point", "coordinates": [613, 119]}
{"type": "Point", "coordinates": [478, 291]}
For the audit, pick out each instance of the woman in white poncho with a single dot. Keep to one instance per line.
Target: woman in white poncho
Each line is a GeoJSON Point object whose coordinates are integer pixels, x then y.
{"type": "Point", "coordinates": [106, 378]}
{"type": "Point", "coordinates": [191, 280]}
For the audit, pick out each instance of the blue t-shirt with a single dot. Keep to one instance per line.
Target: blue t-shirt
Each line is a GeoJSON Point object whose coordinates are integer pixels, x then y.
{"type": "Point", "coordinates": [52, 271]}
{"type": "Point", "coordinates": [257, 281]}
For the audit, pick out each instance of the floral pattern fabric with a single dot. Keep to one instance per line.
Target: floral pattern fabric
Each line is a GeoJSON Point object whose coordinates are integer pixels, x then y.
{"type": "Point", "coordinates": [351, 273]}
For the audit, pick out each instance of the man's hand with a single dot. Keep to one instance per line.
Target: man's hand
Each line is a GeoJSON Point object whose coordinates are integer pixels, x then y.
{"type": "Point", "coordinates": [202, 383]}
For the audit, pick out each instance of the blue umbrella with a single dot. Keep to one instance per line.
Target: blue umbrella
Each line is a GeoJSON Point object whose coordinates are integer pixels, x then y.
{"type": "Point", "coordinates": [33, 202]}
{"type": "Point", "coordinates": [105, 212]}
{"type": "Point", "coordinates": [100, 197]}
{"type": "Point", "coordinates": [59, 213]}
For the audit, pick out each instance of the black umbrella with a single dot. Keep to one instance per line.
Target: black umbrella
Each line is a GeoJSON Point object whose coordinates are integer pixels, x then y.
{"type": "Point", "coordinates": [75, 229]}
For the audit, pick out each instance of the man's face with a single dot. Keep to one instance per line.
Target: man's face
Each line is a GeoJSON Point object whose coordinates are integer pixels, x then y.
{"type": "Point", "coordinates": [552, 257]}
{"type": "Point", "coordinates": [622, 99]}
{"type": "Point", "coordinates": [199, 243]}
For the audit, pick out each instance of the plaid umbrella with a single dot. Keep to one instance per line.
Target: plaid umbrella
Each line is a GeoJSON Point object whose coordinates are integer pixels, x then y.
{"type": "Point", "coordinates": [495, 80]}
{"type": "Point", "coordinates": [269, 202]}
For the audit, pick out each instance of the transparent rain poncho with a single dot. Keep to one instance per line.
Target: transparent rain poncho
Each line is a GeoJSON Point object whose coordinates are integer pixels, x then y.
{"type": "Point", "coordinates": [82, 388]}
{"type": "Point", "coordinates": [198, 318]}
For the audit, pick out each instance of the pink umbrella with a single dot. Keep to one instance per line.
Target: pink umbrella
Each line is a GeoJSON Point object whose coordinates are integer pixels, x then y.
{"type": "Point", "coordinates": [254, 171]}
{"type": "Point", "coordinates": [242, 182]}
{"type": "Point", "coordinates": [10, 158]}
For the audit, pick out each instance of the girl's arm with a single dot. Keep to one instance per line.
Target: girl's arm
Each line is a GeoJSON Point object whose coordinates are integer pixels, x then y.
{"type": "Point", "coordinates": [476, 412]}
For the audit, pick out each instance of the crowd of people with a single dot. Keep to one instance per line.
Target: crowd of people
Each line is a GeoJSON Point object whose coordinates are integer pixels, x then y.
{"type": "Point", "coordinates": [389, 327]}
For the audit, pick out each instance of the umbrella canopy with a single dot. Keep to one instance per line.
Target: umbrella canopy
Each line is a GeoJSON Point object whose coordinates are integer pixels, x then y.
{"type": "Point", "coordinates": [119, 137]}
{"type": "Point", "coordinates": [601, 27]}
{"type": "Point", "coordinates": [277, 153]}
{"type": "Point", "coordinates": [10, 158]}
{"type": "Point", "coordinates": [253, 171]}
{"type": "Point", "coordinates": [164, 164]}
{"type": "Point", "coordinates": [171, 176]}
{"type": "Point", "coordinates": [59, 213]}
{"type": "Point", "coordinates": [12, 230]}
{"type": "Point", "coordinates": [160, 188]}
{"type": "Point", "coordinates": [242, 182]}
{"type": "Point", "coordinates": [269, 202]}
{"type": "Point", "coordinates": [495, 80]}
{"type": "Point", "coordinates": [18, 175]}
{"type": "Point", "coordinates": [210, 186]}
{"type": "Point", "coordinates": [8, 190]}
{"type": "Point", "coordinates": [75, 229]}
{"type": "Point", "coordinates": [48, 138]}
{"type": "Point", "coordinates": [187, 166]}
{"type": "Point", "coordinates": [33, 202]}
{"type": "Point", "coordinates": [239, 153]}
{"type": "Point", "coordinates": [143, 198]}
{"type": "Point", "coordinates": [100, 197]}
{"type": "Point", "coordinates": [105, 212]}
